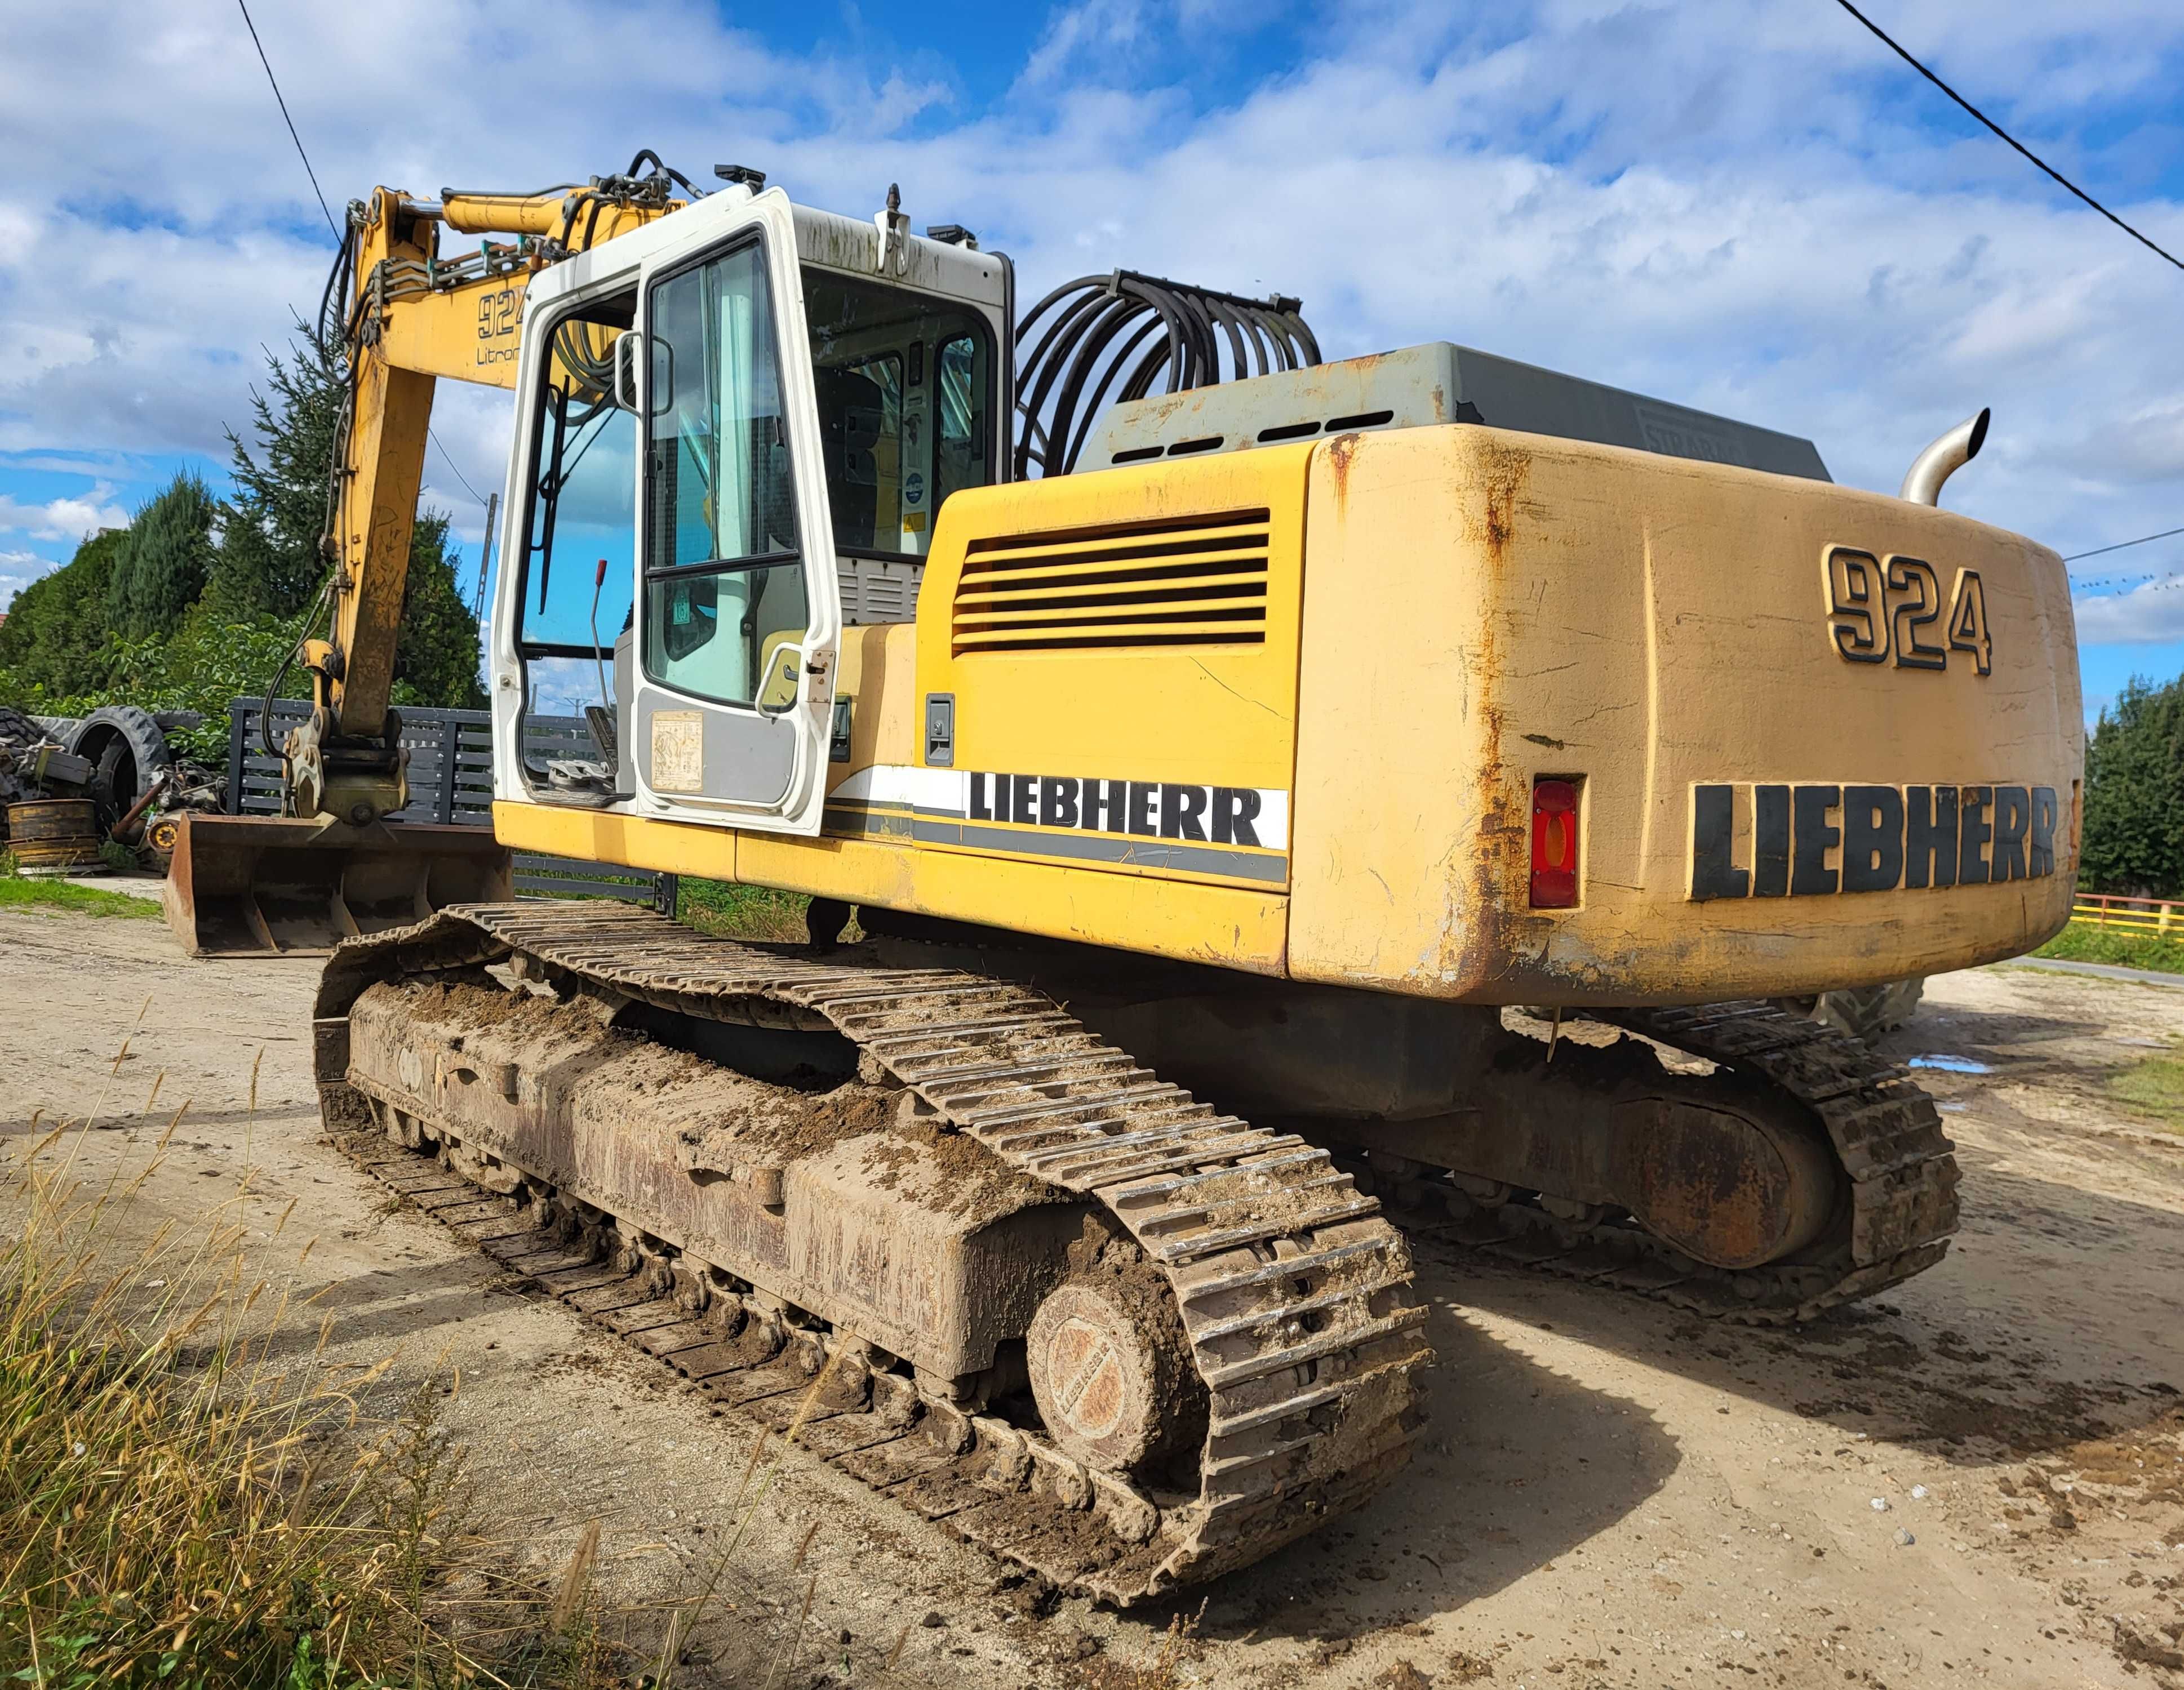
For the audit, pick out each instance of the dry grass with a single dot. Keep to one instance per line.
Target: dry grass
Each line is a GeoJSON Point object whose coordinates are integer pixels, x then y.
{"type": "Point", "coordinates": [185, 1502]}
{"type": "Point", "coordinates": [1170, 1668]}
{"type": "Point", "coordinates": [176, 1507]}
{"type": "Point", "coordinates": [2154, 1087]}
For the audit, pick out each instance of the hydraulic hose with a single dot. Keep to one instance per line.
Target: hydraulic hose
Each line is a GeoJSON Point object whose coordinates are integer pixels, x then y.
{"type": "Point", "coordinates": [1103, 338]}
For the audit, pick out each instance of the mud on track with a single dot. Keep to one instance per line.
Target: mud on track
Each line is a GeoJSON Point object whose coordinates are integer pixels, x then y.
{"type": "Point", "coordinates": [1610, 1492]}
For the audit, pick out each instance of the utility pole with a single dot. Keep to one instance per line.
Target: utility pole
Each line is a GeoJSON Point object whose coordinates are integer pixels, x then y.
{"type": "Point", "coordinates": [485, 556]}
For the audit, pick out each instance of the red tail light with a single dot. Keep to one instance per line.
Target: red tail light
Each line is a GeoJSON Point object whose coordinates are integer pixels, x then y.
{"type": "Point", "coordinates": [1554, 844]}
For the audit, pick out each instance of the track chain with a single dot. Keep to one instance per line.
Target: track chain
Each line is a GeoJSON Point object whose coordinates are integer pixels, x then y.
{"type": "Point", "coordinates": [1293, 1292]}
{"type": "Point", "coordinates": [1887, 1134]}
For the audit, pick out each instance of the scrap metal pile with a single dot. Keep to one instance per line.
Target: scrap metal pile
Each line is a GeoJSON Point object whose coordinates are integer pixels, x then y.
{"type": "Point", "coordinates": [70, 784]}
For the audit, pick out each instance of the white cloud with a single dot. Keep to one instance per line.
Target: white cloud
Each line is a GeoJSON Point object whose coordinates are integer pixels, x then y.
{"type": "Point", "coordinates": [1742, 207]}
{"type": "Point", "coordinates": [1093, 30]}
{"type": "Point", "coordinates": [17, 570]}
{"type": "Point", "coordinates": [2149, 615]}
{"type": "Point", "coordinates": [62, 519]}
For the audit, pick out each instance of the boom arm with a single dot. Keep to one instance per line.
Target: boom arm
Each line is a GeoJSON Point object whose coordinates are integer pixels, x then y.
{"type": "Point", "coordinates": [416, 317]}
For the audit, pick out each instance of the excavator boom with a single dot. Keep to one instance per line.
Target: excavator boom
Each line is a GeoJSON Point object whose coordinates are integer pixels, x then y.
{"type": "Point", "coordinates": [414, 314]}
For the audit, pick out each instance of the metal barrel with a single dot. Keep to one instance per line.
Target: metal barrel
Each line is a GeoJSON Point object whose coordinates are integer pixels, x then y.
{"type": "Point", "coordinates": [55, 837]}
{"type": "Point", "coordinates": [265, 886]}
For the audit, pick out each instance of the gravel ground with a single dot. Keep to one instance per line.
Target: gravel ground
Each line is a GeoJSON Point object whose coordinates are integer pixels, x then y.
{"type": "Point", "coordinates": [1975, 1480]}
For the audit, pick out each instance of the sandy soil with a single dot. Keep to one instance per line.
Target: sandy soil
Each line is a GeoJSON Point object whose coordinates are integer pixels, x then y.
{"type": "Point", "coordinates": [1612, 1492]}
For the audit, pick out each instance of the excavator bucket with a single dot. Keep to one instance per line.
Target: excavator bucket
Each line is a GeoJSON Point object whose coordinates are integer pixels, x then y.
{"type": "Point", "coordinates": [263, 885]}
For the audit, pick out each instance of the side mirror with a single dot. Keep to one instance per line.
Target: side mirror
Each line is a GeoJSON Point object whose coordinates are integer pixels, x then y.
{"type": "Point", "coordinates": [627, 349]}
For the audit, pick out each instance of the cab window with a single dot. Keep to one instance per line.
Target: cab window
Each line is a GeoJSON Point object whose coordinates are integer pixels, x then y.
{"type": "Point", "coordinates": [724, 573]}
{"type": "Point", "coordinates": [906, 386]}
{"type": "Point", "coordinates": [585, 459]}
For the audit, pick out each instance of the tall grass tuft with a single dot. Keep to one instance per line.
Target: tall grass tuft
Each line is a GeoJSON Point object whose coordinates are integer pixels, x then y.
{"type": "Point", "coordinates": [169, 1510]}
{"type": "Point", "coordinates": [191, 1497]}
{"type": "Point", "coordinates": [194, 1497]}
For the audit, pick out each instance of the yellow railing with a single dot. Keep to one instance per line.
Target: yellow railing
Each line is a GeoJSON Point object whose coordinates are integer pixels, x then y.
{"type": "Point", "coordinates": [2159, 918]}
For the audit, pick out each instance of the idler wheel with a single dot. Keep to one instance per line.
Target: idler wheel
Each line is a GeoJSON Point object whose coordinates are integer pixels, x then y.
{"type": "Point", "coordinates": [1729, 1190]}
{"type": "Point", "coordinates": [1112, 1373]}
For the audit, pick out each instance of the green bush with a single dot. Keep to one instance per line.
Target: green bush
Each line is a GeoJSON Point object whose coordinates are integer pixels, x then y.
{"type": "Point", "coordinates": [2134, 818]}
{"type": "Point", "coordinates": [202, 666]}
{"type": "Point", "coordinates": [731, 911]}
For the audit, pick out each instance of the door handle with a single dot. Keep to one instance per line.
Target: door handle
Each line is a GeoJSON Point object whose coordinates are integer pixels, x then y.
{"type": "Point", "coordinates": [787, 660]}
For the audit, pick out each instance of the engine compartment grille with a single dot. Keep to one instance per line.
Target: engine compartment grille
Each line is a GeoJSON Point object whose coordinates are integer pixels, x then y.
{"type": "Point", "coordinates": [1198, 579]}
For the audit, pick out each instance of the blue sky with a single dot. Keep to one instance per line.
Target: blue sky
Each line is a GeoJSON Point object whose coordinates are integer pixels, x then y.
{"type": "Point", "coordinates": [1748, 205]}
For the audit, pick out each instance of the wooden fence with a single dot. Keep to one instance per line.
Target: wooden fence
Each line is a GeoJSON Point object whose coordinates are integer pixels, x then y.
{"type": "Point", "coordinates": [450, 781]}
{"type": "Point", "coordinates": [2156, 917]}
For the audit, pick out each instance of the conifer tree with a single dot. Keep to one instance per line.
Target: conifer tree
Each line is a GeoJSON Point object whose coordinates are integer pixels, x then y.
{"type": "Point", "coordinates": [56, 635]}
{"type": "Point", "coordinates": [2134, 826]}
{"type": "Point", "coordinates": [437, 652]}
{"type": "Point", "coordinates": [270, 563]}
{"type": "Point", "coordinates": [160, 567]}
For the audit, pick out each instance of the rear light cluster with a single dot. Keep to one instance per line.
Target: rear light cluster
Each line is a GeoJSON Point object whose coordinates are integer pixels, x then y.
{"type": "Point", "coordinates": [1554, 844]}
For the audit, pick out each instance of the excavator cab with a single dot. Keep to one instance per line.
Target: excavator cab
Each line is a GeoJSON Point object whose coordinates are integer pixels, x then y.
{"type": "Point", "coordinates": [736, 420]}
{"type": "Point", "coordinates": [737, 426]}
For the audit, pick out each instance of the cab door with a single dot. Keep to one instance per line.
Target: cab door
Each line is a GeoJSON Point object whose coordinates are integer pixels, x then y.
{"type": "Point", "coordinates": [739, 613]}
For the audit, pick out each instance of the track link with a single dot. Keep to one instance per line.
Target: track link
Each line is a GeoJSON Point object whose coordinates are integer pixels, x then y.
{"type": "Point", "coordinates": [1293, 1292]}
{"type": "Point", "coordinates": [1885, 1129]}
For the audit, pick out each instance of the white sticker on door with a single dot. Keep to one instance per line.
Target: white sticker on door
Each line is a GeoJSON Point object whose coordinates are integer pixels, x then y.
{"type": "Point", "coordinates": [678, 751]}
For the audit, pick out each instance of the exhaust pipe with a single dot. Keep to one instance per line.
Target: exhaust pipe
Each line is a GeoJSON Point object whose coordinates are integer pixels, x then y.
{"type": "Point", "coordinates": [1943, 458]}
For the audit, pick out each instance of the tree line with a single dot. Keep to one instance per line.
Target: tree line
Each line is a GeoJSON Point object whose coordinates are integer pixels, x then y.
{"type": "Point", "coordinates": [198, 599]}
{"type": "Point", "coordinates": [2134, 818]}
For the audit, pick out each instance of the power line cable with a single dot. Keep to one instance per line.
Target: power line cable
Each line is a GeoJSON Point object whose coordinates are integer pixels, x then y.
{"type": "Point", "coordinates": [446, 457]}
{"type": "Point", "coordinates": [2122, 545]}
{"type": "Point", "coordinates": [2003, 134]}
{"type": "Point", "coordinates": [285, 118]}
{"type": "Point", "coordinates": [2129, 586]}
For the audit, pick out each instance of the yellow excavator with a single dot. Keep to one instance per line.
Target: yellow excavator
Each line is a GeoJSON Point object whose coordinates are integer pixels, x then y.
{"type": "Point", "coordinates": [1277, 798]}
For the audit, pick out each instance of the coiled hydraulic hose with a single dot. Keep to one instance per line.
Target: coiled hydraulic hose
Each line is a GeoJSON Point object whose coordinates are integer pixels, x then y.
{"type": "Point", "coordinates": [1111, 337]}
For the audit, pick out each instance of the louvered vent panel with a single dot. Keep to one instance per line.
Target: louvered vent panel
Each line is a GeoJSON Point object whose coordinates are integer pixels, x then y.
{"type": "Point", "coordinates": [1195, 581]}
{"type": "Point", "coordinates": [877, 590]}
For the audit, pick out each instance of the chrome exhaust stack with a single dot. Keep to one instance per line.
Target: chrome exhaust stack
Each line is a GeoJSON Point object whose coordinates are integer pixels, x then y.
{"type": "Point", "coordinates": [1943, 458]}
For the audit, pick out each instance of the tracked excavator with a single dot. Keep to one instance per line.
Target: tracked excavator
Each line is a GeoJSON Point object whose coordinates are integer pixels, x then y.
{"type": "Point", "coordinates": [1279, 799]}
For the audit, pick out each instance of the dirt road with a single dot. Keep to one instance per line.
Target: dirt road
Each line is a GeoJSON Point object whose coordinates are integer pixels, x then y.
{"type": "Point", "coordinates": [1976, 1481]}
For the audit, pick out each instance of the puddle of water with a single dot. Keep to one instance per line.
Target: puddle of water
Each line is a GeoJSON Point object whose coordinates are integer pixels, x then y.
{"type": "Point", "coordinates": [1950, 1108]}
{"type": "Point", "coordinates": [1952, 1064]}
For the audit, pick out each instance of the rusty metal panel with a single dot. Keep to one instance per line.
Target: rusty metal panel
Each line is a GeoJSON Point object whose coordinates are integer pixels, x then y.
{"type": "Point", "coordinates": [1485, 610]}
{"type": "Point", "coordinates": [259, 886]}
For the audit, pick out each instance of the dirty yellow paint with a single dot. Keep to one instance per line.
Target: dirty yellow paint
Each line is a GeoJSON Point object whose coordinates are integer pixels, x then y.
{"type": "Point", "coordinates": [1186, 919]}
{"type": "Point", "coordinates": [877, 672]}
{"type": "Point", "coordinates": [1205, 714]}
{"type": "Point", "coordinates": [1451, 614]}
{"type": "Point", "coordinates": [1483, 609]}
